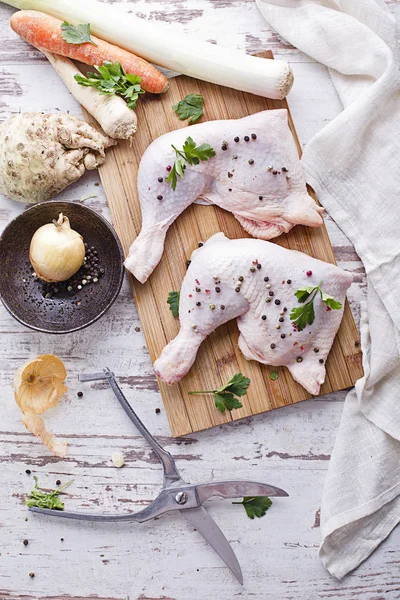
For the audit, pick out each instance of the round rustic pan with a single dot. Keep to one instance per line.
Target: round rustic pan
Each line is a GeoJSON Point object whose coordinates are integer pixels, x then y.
{"type": "Point", "coordinates": [22, 294]}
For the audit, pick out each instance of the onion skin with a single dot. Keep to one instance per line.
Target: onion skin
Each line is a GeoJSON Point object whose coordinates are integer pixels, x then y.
{"type": "Point", "coordinates": [56, 251]}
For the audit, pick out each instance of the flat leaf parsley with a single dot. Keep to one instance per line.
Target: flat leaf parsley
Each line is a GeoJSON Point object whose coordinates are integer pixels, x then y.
{"type": "Point", "coordinates": [46, 499]}
{"type": "Point", "coordinates": [76, 35]}
{"type": "Point", "coordinates": [191, 154]}
{"type": "Point", "coordinates": [224, 397]}
{"type": "Point", "coordinates": [173, 301]}
{"type": "Point", "coordinates": [111, 78]}
{"type": "Point", "coordinates": [191, 107]}
{"type": "Point", "coordinates": [304, 315]}
{"type": "Point", "coordinates": [255, 506]}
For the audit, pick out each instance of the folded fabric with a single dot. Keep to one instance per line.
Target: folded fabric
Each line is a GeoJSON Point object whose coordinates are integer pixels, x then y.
{"type": "Point", "coordinates": [354, 166]}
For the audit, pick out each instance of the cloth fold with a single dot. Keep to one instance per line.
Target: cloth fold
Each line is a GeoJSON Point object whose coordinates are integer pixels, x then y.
{"type": "Point", "coordinates": [353, 164]}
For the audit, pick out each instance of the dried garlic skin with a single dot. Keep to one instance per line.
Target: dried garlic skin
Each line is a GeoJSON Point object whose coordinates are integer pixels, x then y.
{"type": "Point", "coordinates": [118, 459]}
{"type": "Point", "coordinates": [39, 385]}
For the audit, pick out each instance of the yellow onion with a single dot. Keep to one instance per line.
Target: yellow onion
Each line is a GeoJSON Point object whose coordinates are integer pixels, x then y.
{"type": "Point", "coordinates": [56, 251]}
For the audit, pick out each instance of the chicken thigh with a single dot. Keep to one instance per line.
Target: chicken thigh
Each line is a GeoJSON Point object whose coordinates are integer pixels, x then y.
{"type": "Point", "coordinates": [255, 282]}
{"type": "Point", "coordinates": [256, 174]}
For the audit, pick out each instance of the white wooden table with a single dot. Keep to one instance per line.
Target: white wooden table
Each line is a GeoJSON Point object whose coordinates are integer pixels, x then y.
{"type": "Point", "coordinates": [166, 559]}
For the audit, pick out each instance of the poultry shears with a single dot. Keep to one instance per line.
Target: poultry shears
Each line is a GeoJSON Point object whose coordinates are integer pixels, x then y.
{"type": "Point", "coordinates": [176, 494]}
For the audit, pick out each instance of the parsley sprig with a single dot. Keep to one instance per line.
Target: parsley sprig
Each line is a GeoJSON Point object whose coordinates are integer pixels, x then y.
{"type": "Point", "coordinates": [191, 154]}
{"type": "Point", "coordinates": [111, 78]}
{"type": "Point", "coordinates": [76, 35]}
{"type": "Point", "coordinates": [304, 315]}
{"type": "Point", "coordinates": [255, 506]}
{"type": "Point", "coordinates": [191, 107]}
{"type": "Point", "coordinates": [46, 499]}
{"type": "Point", "coordinates": [224, 397]}
{"type": "Point", "coordinates": [173, 301]}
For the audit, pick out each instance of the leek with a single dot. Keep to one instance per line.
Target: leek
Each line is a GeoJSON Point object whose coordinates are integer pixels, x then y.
{"type": "Point", "coordinates": [162, 45]}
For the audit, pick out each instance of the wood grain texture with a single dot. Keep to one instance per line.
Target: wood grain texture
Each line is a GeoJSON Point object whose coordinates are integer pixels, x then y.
{"type": "Point", "coordinates": [219, 357]}
{"type": "Point", "coordinates": [167, 559]}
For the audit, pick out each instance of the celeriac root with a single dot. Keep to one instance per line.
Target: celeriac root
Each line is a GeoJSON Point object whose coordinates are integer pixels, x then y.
{"type": "Point", "coordinates": [41, 154]}
{"type": "Point", "coordinates": [111, 112]}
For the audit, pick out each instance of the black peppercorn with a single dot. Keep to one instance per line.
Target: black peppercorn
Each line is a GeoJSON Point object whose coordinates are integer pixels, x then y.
{"type": "Point", "coordinates": [266, 279]}
{"type": "Point", "coordinates": [273, 346]}
{"type": "Point", "coordinates": [28, 471]}
{"type": "Point", "coordinates": [222, 306]}
{"type": "Point", "coordinates": [229, 189]}
{"type": "Point", "coordinates": [259, 266]}
{"type": "Point", "coordinates": [58, 482]}
{"type": "Point", "coordinates": [260, 197]}
{"type": "Point", "coordinates": [274, 172]}
{"type": "Point", "coordinates": [157, 411]}
{"type": "Point", "coordinates": [289, 281]}
{"type": "Point", "coordinates": [198, 303]}
{"type": "Point", "coordinates": [230, 174]}
{"type": "Point", "coordinates": [224, 147]}
{"type": "Point", "coordinates": [241, 278]}
{"type": "Point", "coordinates": [284, 169]}
{"type": "Point", "coordinates": [237, 289]}
{"type": "Point", "coordinates": [321, 360]}
{"type": "Point", "coordinates": [271, 293]}
{"type": "Point", "coordinates": [80, 394]}
{"type": "Point", "coordinates": [62, 539]}
{"type": "Point", "coordinates": [316, 349]}
{"type": "Point", "coordinates": [251, 161]}
{"type": "Point", "coordinates": [285, 309]}
{"type": "Point", "coordinates": [201, 244]}
{"type": "Point", "coordinates": [246, 138]}
{"type": "Point", "coordinates": [299, 359]}
{"type": "Point", "coordinates": [159, 197]}
{"type": "Point", "coordinates": [264, 317]}
{"type": "Point", "coordinates": [187, 263]}
{"type": "Point", "coordinates": [253, 136]}
{"type": "Point", "coordinates": [283, 335]}
{"type": "Point", "coordinates": [218, 289]}
{"type": "Point", "coordinates": [236, 139]}
{"type": "Point", "coordinates": [26, 542]}
{"type": "Point", "coordinates": [281, 319]}
{"type": "Point", "coordinates": [277, 302]}
{"type": "Point", "coordinates": [198, 290]}
{"type": "Point", "coordinates": [31, 574]}
{"type": "Point", "coordinates": [160, 179]}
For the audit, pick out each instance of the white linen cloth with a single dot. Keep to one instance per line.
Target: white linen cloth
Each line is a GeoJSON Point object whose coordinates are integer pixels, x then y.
{"type": "Point", "coordinates": [354, 166]}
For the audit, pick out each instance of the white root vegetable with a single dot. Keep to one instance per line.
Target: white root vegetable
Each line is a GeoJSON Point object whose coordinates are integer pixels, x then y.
{"type": "Point", "coordinates": [110, 111]}
{"type": "Point", "coordinates": [159, 43]}
{"type": "Point", "coordinates": [41, 154]}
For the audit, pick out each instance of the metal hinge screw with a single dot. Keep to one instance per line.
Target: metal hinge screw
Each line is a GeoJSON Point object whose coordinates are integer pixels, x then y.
{"type": "Point", "coordinates": [181, 498]}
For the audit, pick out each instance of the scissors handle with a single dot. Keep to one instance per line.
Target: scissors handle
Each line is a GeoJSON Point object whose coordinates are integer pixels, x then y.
{"type": "Point", "coordinates": [171, 473]}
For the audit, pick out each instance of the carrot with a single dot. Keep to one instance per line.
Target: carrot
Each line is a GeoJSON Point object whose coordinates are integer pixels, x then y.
{"type": "Point", "coordinates": [44, 32]}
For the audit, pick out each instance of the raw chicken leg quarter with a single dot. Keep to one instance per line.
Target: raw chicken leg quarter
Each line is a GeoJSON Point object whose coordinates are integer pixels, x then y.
{"type": "Point", "coordinates": [256, 174]}
{"type": "Point", "coordinates": [255, 282]}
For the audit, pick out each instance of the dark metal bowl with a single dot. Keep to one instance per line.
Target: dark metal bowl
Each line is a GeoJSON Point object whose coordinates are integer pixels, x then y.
{"type": "Point", "coordinates": [22, 294]}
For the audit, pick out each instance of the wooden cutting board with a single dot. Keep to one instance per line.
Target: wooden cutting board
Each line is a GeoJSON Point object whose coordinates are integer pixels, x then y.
{"type": "Point", "coordinates": [219, 357]}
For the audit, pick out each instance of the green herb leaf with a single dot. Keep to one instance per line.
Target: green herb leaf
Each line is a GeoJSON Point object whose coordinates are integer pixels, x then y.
{"type": "Point", "coordinates": [46, 499]}
{"type": "Point", "coordinates": [330, 301]}
{"type": "Point", "coordinates": [302, 316]}
{"type": "Point", "coordinates": [173, 301]}
{"type": "Point", "coordinates": [274, 375]}
{"type": "Point", "coordinates": [224, 397]}
{"type": "Point", "coordinates": [302, 294]}
{"type": "Point", "coordinates": [190, 154]}
{"type": "Point", "coordinates": [255, 506]}
{"type": "Point", "coordinates": [111, 78]}
{"type": "Point", "coordinates": [237, 385]}
{"type": "Point", "coordinates": [225, 401]}
{"type": "Point", "coordinates": [190, 108]}
{"type": "Point", "coordinates": [76, 35]}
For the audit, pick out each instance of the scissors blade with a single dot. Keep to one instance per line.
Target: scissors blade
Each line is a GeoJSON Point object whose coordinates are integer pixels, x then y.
{"type": "Point", "coordinates": [201, 520]}
{"type": "Point", "coordinates": [236, 489]}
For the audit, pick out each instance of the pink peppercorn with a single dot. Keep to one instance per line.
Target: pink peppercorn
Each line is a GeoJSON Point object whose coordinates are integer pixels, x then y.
{"type": "Point", "coordinates": [309, 273]}
{"type": "Point", "coordinates": [169, 167]}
